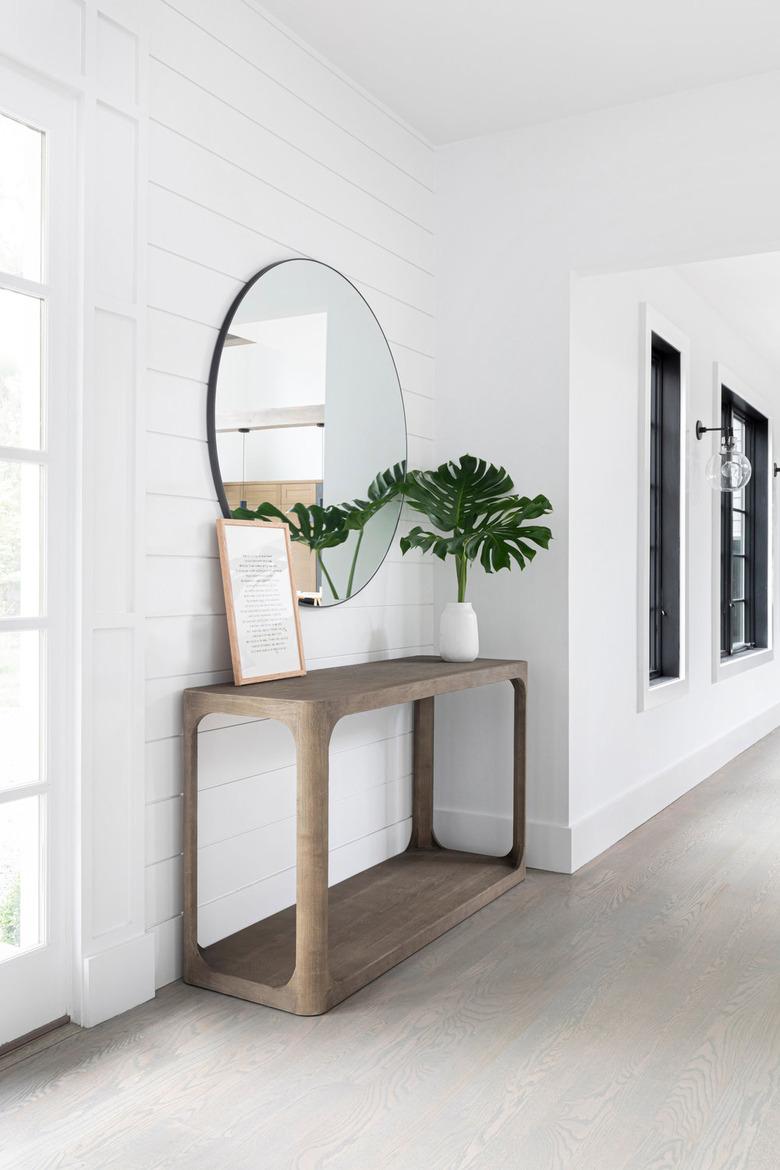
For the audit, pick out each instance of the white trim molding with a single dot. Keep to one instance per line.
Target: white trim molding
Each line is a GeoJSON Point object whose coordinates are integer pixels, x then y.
{"type": "Point", "coordinates": [118, 979]}
{"type": "Point", "coordinates": [652, 694]}
{"type": "Point", "coordinates": [614, 820]}
{"type": "Point", "coordinates": [548, 845]}
{"type": "Point", "coordinates": [730, 668]}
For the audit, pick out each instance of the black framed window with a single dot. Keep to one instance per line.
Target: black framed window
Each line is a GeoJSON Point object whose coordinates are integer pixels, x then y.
{"type": "Point", "coordinates": [665, 505]}
{"type": "Point", "coordinates": [744, 535]}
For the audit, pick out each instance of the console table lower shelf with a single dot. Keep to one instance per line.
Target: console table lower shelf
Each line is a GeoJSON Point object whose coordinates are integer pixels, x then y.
{"type": "Point", "coordinates": [311, 956]}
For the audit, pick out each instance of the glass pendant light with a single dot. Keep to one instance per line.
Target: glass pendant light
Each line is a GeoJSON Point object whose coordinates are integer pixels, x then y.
{"type": "Point", "coordinates": [727, 470]}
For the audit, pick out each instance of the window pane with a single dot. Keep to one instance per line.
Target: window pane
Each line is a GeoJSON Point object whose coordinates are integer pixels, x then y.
{"type": "Point", "coordinates": [737, 624]}
{"type": "Point", "coordinates": [21, 185]}
{"type": "Point", "coordinates": [20, 708]}
{"type": "Point", "coordinates": [20, 540]}
{"type": "Point", "coordinates": [20, 370]}
{"type": "Point", "coordinates": [20, 876]}
{"type": "Point", "coordinates": [737, 579]}
{"type": "Point", "coordinates": [738, 533]}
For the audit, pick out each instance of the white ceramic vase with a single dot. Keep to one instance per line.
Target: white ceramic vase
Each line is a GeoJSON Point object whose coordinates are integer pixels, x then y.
{"type": "Point", "coordinates": [458, 633]}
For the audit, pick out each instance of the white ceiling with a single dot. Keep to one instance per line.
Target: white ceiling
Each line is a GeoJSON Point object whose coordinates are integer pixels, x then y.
{"type": "Point", "coordinates": [458, 68]}
{"type": "Point", "coordinates": [746, 292]}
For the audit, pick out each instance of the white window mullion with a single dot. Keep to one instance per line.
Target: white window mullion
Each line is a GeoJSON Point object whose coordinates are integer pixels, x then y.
{"type": "Point", "coordinates": [23, 455]}
{"type": "Point", "coordinates": [28, 288]}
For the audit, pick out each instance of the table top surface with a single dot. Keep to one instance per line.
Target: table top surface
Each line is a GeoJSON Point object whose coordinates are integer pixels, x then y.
{"type": "Point", "coordinates": [358, 682]}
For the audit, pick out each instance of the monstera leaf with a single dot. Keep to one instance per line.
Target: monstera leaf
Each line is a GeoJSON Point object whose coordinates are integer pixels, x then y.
{"type": "Point", "coordinates": [472, 505]}
{"type": "Point", "coordinates": [357, 513]}
{"type": "Point", "coordinates": [387, 485]}
{"type": "Point", "coordinates": [318, 528]}
{"type": "Point", "coordinates": [457, 496]}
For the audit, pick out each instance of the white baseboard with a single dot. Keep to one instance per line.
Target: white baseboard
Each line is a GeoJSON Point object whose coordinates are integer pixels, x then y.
{"type": "Point", "coordinates": [608, 824]}
{"type": "Point", "coordinates": [565, 849]}
{"type": "Point", "coordinates": [548, 846]}
{"type": "Point", "coordinates": [117, 979]}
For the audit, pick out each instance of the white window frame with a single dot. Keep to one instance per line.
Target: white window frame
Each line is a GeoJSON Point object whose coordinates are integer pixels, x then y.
{"type": "Point", "coordinates": [652, 694]}
{"type": "Point", "coordinates": [724, 669]}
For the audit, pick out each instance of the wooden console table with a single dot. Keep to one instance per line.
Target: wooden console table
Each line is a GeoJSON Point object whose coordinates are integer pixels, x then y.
{"type": "Point", "coordinates": [312, 955]}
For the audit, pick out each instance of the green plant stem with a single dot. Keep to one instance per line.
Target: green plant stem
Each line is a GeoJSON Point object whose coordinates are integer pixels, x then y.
{"type": "Point", "coordinates": [354, 562]}
{"type": "Point", "coordinates": [327, 576]}
{"type": "Point", "coordinates": [461, 568]}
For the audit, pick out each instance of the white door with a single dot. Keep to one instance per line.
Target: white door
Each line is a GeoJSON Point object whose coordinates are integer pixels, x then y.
{"type": "Point", "coordinates": [37, 552]}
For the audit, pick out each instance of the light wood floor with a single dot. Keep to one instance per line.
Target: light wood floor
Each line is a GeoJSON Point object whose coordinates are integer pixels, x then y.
{"type": "Point", "coordinates": [627, 1018]}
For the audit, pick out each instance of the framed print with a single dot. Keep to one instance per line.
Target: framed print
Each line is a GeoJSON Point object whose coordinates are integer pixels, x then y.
{"type": "Point", "coordinates": [262, 610]}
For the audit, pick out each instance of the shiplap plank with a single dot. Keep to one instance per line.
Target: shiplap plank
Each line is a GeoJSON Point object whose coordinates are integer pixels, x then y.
{"type": "Point", "coordinates": [164, 829]}
{"type": "Point", "coordinates": [164, 885]}
{"type": "Point", "coordinates": [421, 452]}
{"type": "Point", "coordinates": [246, 859]}
{"type": "Point", "coordinates": [164, 769]}
{"type": "Point", "coordinates": [178, 466]}
{"type": "Point", "coordinates": [419, 415]}
{"type": "Point", "coordinates": [164, 702]}
{"type": "Point", "coordinates": [191, 170]}
{"type": "Point", "coordinates": [415, 370]}
{"type": "Point", "coordinates": [181, 525]}
{"type": "Point", "coordinates": [175, 406]}
{"type": "Point", "coordinates": [167, 951]}
{"type": "Point", "coordinates": [228, 132]}
{"type": "Point", "coordinates": [183, 585]}
{"type": "Point", "coordinates": [315, 86]}
{"type": "Point", "coordinates": [178, 346]}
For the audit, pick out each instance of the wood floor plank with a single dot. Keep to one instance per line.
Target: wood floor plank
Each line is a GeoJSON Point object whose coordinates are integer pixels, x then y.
{"type": "Point", "coordinates": [626, 1018]}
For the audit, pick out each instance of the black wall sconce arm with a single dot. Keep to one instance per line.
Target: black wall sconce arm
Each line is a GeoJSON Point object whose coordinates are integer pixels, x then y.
{"type": "Point", "coordinates": [727, 432]}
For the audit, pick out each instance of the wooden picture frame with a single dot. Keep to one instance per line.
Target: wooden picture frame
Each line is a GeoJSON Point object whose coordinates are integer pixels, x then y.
{"type": "Point", "coordinates": [258, 584]}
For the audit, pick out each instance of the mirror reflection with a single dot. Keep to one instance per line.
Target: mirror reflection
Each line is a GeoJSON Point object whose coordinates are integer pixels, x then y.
{"type": "Point", "coordinates": [306, 423]}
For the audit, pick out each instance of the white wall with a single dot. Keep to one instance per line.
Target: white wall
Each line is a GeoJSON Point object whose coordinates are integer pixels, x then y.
{"type": "Point", "coordinates": [518, 213]}
{"type": "Point", "coordinates": [259, 151]}
{"type": "Point", "coordinates": [624, 760]}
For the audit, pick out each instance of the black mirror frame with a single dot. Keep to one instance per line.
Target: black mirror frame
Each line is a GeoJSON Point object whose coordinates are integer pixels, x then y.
{"type": "Point", "coordinates": [211, 400]}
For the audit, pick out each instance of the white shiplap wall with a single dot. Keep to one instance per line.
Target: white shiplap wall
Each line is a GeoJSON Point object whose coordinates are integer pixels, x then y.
{"type": "Point", "coordinates": [259, 150]}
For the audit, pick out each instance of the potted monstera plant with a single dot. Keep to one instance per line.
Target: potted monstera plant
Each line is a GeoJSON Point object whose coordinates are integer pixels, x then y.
{"type": "Point", "coordinates": [473, 513]}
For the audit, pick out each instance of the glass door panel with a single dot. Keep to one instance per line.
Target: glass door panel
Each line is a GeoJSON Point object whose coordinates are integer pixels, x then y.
{"type": "Point", "coordinates": [21, 725]}
{"type": "Point", "coordinates": [21, 576]}
{"type": "Point", "coordinates": [21, 199]}
{"type": "Point", "coordinates": [36, 151]}
{"type": "Point", "coordinates": [21, 887]}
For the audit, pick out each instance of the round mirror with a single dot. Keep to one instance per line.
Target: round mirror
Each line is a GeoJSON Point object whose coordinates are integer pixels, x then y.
{"type": "Point", "coordinates": [306, 424]}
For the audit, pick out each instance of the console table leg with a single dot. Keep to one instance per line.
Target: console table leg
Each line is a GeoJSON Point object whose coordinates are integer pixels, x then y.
{"type": "Point", "coordinates": [518, 833]}
{"type": "Point", "coordinates": [422, 776]}
{"type": "Point", "coordinates": [312, 976]}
